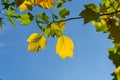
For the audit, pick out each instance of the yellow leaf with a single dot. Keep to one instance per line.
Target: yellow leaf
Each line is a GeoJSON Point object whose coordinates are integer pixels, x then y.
{"type": "Point", "coordinates": [117, 71]}
{"type": "Point", "coordinates": [64, 47]}
{"type": "Point", "coordinates": [58, 26]}
{"type": "Point", "coordinates": [26, 5]}
{"type": "Point", "coordinates": [36, 41]}
{"type": "Point", "coordinates": [47, 4]}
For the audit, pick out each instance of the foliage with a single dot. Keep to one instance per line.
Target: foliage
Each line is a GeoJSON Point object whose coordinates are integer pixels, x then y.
{"type": "Point", "coordinates": [36, 41]}
{"type": "Point", "coordinates": [105, 18]}
{"type": "Point", "coordinates": [64, 47]}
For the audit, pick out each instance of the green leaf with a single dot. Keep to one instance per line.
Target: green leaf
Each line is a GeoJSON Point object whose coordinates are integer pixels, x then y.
{"type": "Point", "coordinates": [89, 15]}
{"type": "Point", "coordinates": [0, 25]}
{"type": "Point", "coordinates": [64, 12]}
{"type": "Point", "coordinates": [25, 19]}
{"type": "Point", "coordinates": [101, 25]}
{"type": "Point", "coordinates": [58, 33]}
{"type": "Point", "coordinates": [7, 1]}
{"type": "Point", "coordinates": [114, 55]}
{"type": "Point", "coordinates": [50, 32]}
{"type": "Point", "coordinates": [115, 77]}
{"type": "Point", "coordinates": [110, 10]}
{"type": "Point", "coordinates": [114, 29]}
{"type": "Point", "coordinates": [55, 16]}
{"type": "Point", "coordinates": [118, 76]}
{"type": "Point", "coordinates": [11, 14]}
{"type": "Point", "coordinates": [11, 20]}
{"type": "Point", "coordinates": [91, 6]}
{"type": "Point", "coordinates": [2, 1]}
{"type": "Point", "coordinates": [59, 4]}
{"type": "Point", "coordinates": [47, 31]}
{"type": "Point", "coordinates": [42, 17]}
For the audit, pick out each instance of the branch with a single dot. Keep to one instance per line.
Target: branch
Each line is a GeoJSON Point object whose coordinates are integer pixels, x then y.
{"type": "Point", "coordinates": [74, 18]}
{"type": "Point", "coordinates": [110, 13]}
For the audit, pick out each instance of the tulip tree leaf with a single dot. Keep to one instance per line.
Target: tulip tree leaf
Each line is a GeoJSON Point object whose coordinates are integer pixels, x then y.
{"type": "Point", "coordinates": [64, 12]}
{"type": "Point", "coordinates": [42, 17]}
{"type": "Point", "coordinates": [10, 15]}
{"type": "Point", "coordinates": [25, 19]}
{"type": "Point", "coordinates": [36, 42]}
{"type": "Point", "coordinates": [89, 15]}
{"type": "Point", "coordinates": [64, 47]}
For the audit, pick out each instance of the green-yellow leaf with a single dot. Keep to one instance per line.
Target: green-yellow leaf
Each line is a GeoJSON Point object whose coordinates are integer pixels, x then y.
{"type": "Point", "coordinates": [43, 17]}
{"type": "Point", "coordinates": [10, 15]}
{"type": "Point", "coordinates": [117, 72]}
{"type": "Point", "coordinates": [25, 18]}
{"type": "Point", "coordinates": [100, 25]}
{"type": "Point", "coordinates": [36, 41]}
{"type": "Point", "coordinates": [0, 26]}
{"type": "Point", "coordinates": [58, 26]}
{"type": "Point", "coordinates": [64, 47]}
{"type": "Point", "coordinates": [64, 12]}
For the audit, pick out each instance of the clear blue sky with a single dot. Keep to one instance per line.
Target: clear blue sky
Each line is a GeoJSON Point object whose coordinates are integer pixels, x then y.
{"type": "Point", "coordinates": [90, 60]}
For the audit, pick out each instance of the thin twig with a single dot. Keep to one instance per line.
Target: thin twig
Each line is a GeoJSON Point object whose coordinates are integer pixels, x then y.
{"type": "Point", "coordinates": [74, 18]}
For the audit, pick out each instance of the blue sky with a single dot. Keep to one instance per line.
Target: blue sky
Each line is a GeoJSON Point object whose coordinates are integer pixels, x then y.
{"type": "Point", "coordinates": [90, 60]}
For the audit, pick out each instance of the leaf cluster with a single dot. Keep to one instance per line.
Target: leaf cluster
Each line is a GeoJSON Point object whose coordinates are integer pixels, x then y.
{"type": "Point", "coordinates": [105, 18]}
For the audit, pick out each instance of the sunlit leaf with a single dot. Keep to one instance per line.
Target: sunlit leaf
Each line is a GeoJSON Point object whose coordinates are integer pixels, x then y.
{"type": "Point", "coordinates": [47, 4]}
{"type": "Point", "coordinates": [58, 25]}
{"type": "Point", "coordinates": [42, 17]}
{"type": "Point", "coordinates": [64, 47]}
{"type": "Point", "coordinates": [91, 6]}
{"type": "Point", "coordinates": [11, 20]}
{"type": "Point", "coordinates": [10, 15]}
{"type": "Point", "coordinates": [36, 41]}
{"type": "Point", "coordinates": [55, 29]}
{"type": "Point", "coordinates": [100, 25]}
{"type": "Point", "coordinates": [47, 31]}
{"type": "Point", "coordinates": [117, 72]}
{"type": "Point", "coordinates": [25, 18]}
{"type": "Point", "coordinates": [60, 2]}
{"type": "Point", "coordinates": [26, 5]}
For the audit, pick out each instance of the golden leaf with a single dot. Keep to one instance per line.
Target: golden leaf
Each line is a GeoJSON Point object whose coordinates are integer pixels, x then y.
{"type": "Point", "coordinates": [36, 41]}
{"type": "Point", "coordinates": [64, 47]}
{"type": "Point", "coordinates": [26, 5]}
{"type": "Point", "coordinates": [117, 71]}
{"type": "Point", "coordinates": [47, 4]}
